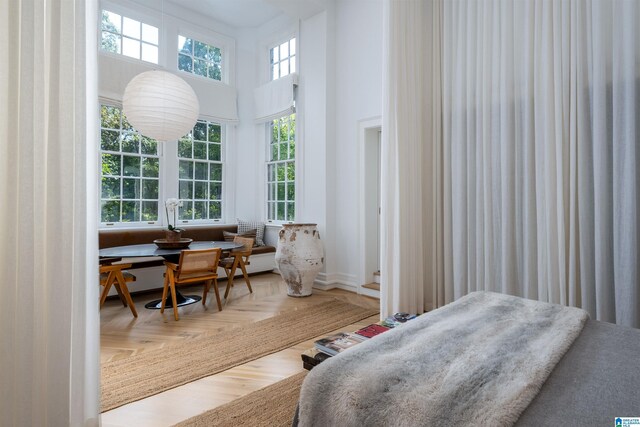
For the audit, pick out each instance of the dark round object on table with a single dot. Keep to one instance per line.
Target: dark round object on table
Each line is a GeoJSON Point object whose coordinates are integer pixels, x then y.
{"type": "Point", "coordinates": [177, 244]}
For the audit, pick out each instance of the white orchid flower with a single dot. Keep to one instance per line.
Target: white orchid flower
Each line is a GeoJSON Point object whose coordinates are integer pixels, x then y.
{"type": "Point", "coordinates": [172, 203]}
{"type": "Point", "coordinates": [170, 206]}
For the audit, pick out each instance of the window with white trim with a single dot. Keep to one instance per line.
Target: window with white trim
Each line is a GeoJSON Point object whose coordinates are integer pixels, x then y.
{"type": "Point", "coordinates": [283, 59]}
{"type": "Point", "coordinates": [129, 37]}
{"type": "Point", "coordinates": [281, 169]}
{"type": "Point", "coordinates": [130, 173]}
{"type": "Point", "coordinates": [199, 58]}
{"type": "Point", "coordinates": [200, 172]}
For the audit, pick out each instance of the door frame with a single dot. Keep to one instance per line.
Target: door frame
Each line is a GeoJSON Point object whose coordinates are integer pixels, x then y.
{"type": "Point", "coordinates": [368, 130]}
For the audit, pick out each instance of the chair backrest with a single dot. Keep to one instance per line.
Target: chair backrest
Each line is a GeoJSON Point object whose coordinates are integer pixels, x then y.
{"type": "Point", "coordinates": [247, 243]}
{"type": "Point", "coordinates": [199, 261]}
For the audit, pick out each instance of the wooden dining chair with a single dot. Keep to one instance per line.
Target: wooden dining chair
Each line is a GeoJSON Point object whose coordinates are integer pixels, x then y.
{"type": "Point", "coordinates": [114, 275]}
{"type": "Point", "coordinates": [197, 265]}
{"type": "Point", "coordinates": [239, 258]}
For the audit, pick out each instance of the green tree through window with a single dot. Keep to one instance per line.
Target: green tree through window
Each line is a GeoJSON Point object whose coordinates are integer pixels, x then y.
{"type": "Point", "coordinates": [200, 172]}
{"type": "Point", "coordinates": [281, 172]}
{"type": "Point", "coordinates": [199, 58]}
{"type": "Point", "coordinates": [110, 38]}
{"type": "Point", "coordinates": [130, 171]}
{"type": "Point", "coordinates": [125, 36]}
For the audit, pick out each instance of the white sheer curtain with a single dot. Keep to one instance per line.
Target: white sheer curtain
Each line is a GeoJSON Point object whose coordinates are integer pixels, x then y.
{"type": "Point", "coordinates": [540, 176]}
{"type": "Point", "coordinates": [49, 333]}
{"type": "Point", "coordinates": [410, 141]}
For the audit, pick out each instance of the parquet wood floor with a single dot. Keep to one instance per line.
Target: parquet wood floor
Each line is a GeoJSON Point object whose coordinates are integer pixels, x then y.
{"type": "Point", "coordinates": [122, 336]}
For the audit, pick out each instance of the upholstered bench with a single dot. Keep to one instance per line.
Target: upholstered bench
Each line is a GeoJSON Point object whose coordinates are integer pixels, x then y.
{"type": "Point", "coordinates": [262, 257]}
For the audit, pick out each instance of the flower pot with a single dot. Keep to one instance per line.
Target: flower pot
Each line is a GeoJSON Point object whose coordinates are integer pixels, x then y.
{"type": "Point", "coordinates": [299, 257]}
{"type": "Point", "coordinates": [173, 235]}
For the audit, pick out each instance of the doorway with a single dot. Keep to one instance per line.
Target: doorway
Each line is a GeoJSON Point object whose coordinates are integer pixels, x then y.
{"type": "Point", "coordinates": [370, 161]}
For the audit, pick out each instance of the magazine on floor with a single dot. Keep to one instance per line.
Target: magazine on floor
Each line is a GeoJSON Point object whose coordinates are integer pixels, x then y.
{"type": "Point", "coordinates": [372, 330]}
{"type": "Point", "coordinates": [337, 343]}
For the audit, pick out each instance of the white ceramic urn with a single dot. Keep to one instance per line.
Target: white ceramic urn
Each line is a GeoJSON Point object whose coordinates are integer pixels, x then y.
{"type": "Point", "coordinates": [299, 257]}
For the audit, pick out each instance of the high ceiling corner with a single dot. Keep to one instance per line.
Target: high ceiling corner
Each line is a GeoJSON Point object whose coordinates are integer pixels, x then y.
{"type": "Point", "coordinates": [251, 13]}
{"type": "Point", "coordinates": [238, 13]}
{"type": "Point", "coordinates": [300, 9]}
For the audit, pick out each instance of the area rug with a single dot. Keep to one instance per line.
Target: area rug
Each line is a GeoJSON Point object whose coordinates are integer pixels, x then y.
{"type": "Point", "coordinates": [145, 374]}
{"type": "Point", "coordinates": [272, 406]}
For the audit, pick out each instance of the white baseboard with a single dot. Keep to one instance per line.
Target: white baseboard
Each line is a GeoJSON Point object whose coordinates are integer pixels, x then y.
{"type": "Point", "coordinates": [348, 282]}
{"type": "Point", "coordinates": [369, 292]}
{"type": "Point", "coordinates": [325, 282]}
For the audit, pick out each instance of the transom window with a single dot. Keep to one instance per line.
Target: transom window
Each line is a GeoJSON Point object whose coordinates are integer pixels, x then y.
{"type": "Point", "coordinates": [130, 174]}
{"type": "Point", "coordinates": [129, 37]}
{"type": "Point", "coordinates": [200, 172]}
{"type": "Point", "coordinates": [281, 171]}
{"type": "Point", "coordinates": [283, 59]}
{"type": "Point", "coordinates": [199, 58]}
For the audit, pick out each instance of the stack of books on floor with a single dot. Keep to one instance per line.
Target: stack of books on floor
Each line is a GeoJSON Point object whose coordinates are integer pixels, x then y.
{"type": "Point", "coordinates": [372, 330]}
{"type": "Point", "coordinates": [398, 319]}
{"type": "Point", "coordinates": [337, 343]}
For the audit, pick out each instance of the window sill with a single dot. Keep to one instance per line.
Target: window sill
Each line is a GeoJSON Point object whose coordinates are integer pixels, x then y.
{"type": "Point", "coordinates": [162, 227]}
{"type": "Point", "coordinates": [278, 224]}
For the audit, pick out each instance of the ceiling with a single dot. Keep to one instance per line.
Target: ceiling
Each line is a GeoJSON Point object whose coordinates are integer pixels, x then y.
{"type": "Point", "coordinates": [236, 13]}
{"type": "Point", "coordinates": [251, 13]}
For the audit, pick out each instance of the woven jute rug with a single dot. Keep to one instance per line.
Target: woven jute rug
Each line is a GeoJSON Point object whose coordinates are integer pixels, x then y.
{"type": "Point", "coordinates": [272, 406]}
{"type": "Point", "coordinates": [152, 372]}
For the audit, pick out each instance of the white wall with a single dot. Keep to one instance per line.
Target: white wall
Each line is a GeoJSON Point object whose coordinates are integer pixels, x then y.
{"type": "Point", "coordinates": [340, 70]}
{"type": "Point", "coordinates": [253, 143]}
{"type": "Point", "coordinates": [340, 84]}
{"type": "Point", "coordinates": [312, 202]}
{"type": "Point", "coordinates": [358, 88]}
{"type": "Point", "coordinates": [315, 117]}
{"type": "Point", "coordinates": [243, 154]}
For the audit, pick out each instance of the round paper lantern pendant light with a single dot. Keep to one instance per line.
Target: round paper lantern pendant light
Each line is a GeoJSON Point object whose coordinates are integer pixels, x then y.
{"type": "Point", "coordinates": [160, 105]}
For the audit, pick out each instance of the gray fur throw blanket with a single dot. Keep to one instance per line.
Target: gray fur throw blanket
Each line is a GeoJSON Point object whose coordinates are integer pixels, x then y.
{"type": "Point", "coordinates": [478, 361]}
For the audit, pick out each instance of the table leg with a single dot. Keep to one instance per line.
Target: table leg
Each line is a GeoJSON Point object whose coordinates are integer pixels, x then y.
{"type": "Point", "coordinates": [181, 299]}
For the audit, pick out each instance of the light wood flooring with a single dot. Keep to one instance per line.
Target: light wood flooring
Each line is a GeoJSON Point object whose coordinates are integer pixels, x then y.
{"type": "Point", "coordinates": [122, 336]}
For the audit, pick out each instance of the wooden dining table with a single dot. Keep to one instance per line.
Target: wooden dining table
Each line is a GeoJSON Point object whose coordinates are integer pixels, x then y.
{"type": "Point", "coordinates": [171, 255]}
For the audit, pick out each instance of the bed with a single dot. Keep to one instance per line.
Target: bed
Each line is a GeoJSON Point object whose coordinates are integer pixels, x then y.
{"type": "Point", "coordinates": [486, 359]}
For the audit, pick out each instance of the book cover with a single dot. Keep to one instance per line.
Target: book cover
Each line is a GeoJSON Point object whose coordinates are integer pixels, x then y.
{"type": "Point", "coordinates": [372, 330]}
{"type": "Point", "coordinates": [398, 319]}
{"type": "Point", "coordinates": [390, 322]}
{"type": "Point", "coordinates": [403, 317]}
{"type": "Point", "coordinates": [337, 343]}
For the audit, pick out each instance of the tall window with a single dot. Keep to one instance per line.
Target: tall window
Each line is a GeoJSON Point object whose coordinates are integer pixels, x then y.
{"type": "Point", "coordinates": [129, 37]}
{"type": "Point", "coordinates": [281, 171]}
{"type": "Point", "coordinates": [130, 175]}
{"type": "Point", "coordinates": [283, 59]}
{"type": "Point", "coordinates": [199, 58]}
{"type": "Point", "coordinates": [200, 172]}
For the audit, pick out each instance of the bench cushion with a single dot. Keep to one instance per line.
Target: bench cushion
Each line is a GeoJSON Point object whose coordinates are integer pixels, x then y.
{"type": "Point", "coordinates": [262, 250]}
